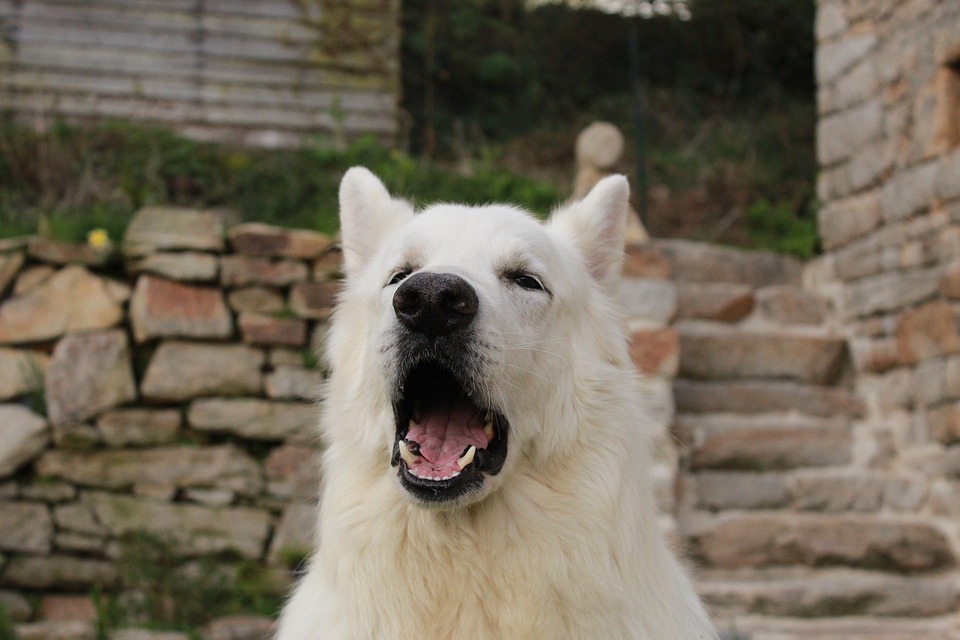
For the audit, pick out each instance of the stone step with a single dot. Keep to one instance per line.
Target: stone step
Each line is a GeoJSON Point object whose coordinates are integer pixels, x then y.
{"type": "Point", "coordinates": [853, 628]}
{"type": "Point", "coordinates": [762, 396]}
{"type": "Point", "coordinates": [702, 262]}
{"type": "Point", "coordinates": [828, 593]}
{"type": "Point", "coordinates": [712, 351]}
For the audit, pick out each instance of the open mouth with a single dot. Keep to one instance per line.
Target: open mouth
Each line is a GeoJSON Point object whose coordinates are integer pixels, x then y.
{"type": "Point", "coordinates": [446, 443]}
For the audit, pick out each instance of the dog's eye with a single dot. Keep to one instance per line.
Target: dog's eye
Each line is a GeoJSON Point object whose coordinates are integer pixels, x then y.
{"type": "Point", "coordinates": [527, 281]}
{"type": "Point", "coordinates": [398, 277]}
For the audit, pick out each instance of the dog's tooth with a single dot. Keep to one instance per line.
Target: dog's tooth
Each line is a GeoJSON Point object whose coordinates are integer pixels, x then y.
{"type": "Point", "coordinates": [467, 458]}
{"type": "Point", "coordinates": [488, 429]}
{"type": "Point", "coordinates": [405, 453]}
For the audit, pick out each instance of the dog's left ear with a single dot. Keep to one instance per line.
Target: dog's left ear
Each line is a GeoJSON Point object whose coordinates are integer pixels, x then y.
{"type": "Point", "coordinates": [367, 216]}
{"type": "Point", "coordinates": [597, 226]}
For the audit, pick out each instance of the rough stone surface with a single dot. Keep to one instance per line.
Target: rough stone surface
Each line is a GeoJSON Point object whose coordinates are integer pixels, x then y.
{"type": "Point", "coordinates": [23, 436]}
{"type": "Point", "coordinates": [59, 572]}
{"type": "Point", "coordinates": [67, 607]}
{"type": "Point", "coordinates": [293, 472]}
{"type": "Point", "coordinates": [655, 351]}
{"type": "Point", "coordinates": [241, 627]}
{"type": "Point", "coordinates": [313, 300]}
{"type": "Point", "coordinates": [188, 266]}
{"type": "Point", "coordinates": [139, 427]}
{"type": "Point", "coordinates": [71, 300]}
{"type": "Point", "coordinates": [21, 371]}
{"type": "Point", "coordinates": [32, 277]}
{"type": "Point", "coordinates": [254, 419]}
{"type": "Point", "coordinates": [256, 299]}
{"type": "Point", "coordinates": [256, 239]}
{"type": "Point", "coordinates": [162, 229]}
{"type": "Point", "coordinates": [57, 630]}
{"type": "Point", "coordinates": [785, 305]}
{"type": "Point", "coordinates": [266, 330]}
{"type": "Point", "coordinates": [89, 373]}
{"type": "Point", "coordinates": [699, 262]}
{"type": "Point", "coordinates": [163, 309]}
{"type": "Point", "coordinates": [719, 301]}
{"type": "Point", "coordinates": [927, 332]}
{"type": "Point", "coordinates": [61, 253]}
{"type": "Point", "coordinates": [845, 220]}
{"type": "Point", "coordinates": [27, 527]}
{"type": "Point", "coordinates": [643, 260]}
{"type": "Point", "coordinates": [295, 532]}
{"type": "Point", "coordinates": [195, 529]}
{"type": "Point", "coordinates": [242, 271]}
{"type": "Point", "coordinates": [649, 300]}
{"type": "Point", "coordinates": [747, 397]}
{"type": "Point", "coordinates": [288, 382]}
{"type": "Point", "coordinates": [734, 490]}
{"type": "Point", "coordinates": [184, 370]}
{"type": "Point", "coordinates": [17, 607]}
{"type": "Point", "coordinates": [222, 466]}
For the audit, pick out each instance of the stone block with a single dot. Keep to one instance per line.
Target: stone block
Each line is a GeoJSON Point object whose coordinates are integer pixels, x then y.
{"type": "Point", "coordinates": [831, 20]}
{"type": "Point", "coordinates": [654, 352]}
{"type": "Point", "coordinates": [293, 472]}
{"type": "Point", "coordinates": [314, 300]}
{"type": "Point", "coordinates": [58, 572]}
{"type": "Point", "coordinates": [21, 371]}
{"type": "Point", "coordinates": [67, 607]}
{"type": "Point", "coordinates": [909, 191]}
{"type": "Point", "coordinates": [329, 266]}
{"type": "Point", "coordinates": [702, 262]}
{"type": "Point", "coordinates": [256, 239]}
{"type": "Point", "coordinates": [644, 261]}
{"type": "Point", "coordinates": [268, 330]}
{"type": "Point", "coordinates": [288, 382]}
{"type": "Point", "coordinates": [57, 630]}
{"type": "Point", "coordinates": [88, 373]}
{"type": "Point", "coordinates": [180, 467]}
{"type": "Point", "coordinates": [17, 607]}
{"type": "Point", "coordinates": [841, 221]}
{"type": "Point", "coordinates": [835, 57]}
{"type": "Point", "coordinates": [185, 370]}
{"type": "Point", "coordinates": [889, 292]}
{"type": "Point", "coordinates": [24, 436]}
{"type": "Point", "coordinates": [719, 352]}
{"type": "Point", "coordinates": [841, 135]}
{"type": "Point", "coordinates": [790, 305]}
{"type": "Point", "coordinates": [845, 492]}
{"type": "Point", "coordinates": [733, 490]}
{"type": "Point", "coordinates": [254, 419]}
{"type": "Point", "coordinates": [62, 253]}
{"type": "Point", "coordinates": [27, 527]}
{"type": "Point", "coordinates": [927, 332]}
{"type": "Point", "coordinates": [164, 229]}
{"type": "Point", "coordinates": [717, 301]}
{"type": "Point", "coordinates": [49, 492]}
{"type": "Point", "coordinates": [165, 309]}
{"type": "Point", "coordinates": [860, 541]}
{"type": "Point", "coordinates": [139, 427]}
{"type": "Point", "coordinates": [188, 266]}
{"type": "Point", "coordinates": [761, 396]}
{"type": "Point", "coordinates": [947, 180]}
{"type": "Point", "coordinates": [31, 277]}
{"type": "Point", "coordinates": [649, 300]}
{"type": "Point", "coordinates": [239, 627]}
{"type": "Point", "coordinates": [242, 271]}
{"type": "Point", "coordinates": [71, 300]}
{"type": "Point", "coordinates": [295, 533]}
{"type": "Point", "coordinates": [256, 299]}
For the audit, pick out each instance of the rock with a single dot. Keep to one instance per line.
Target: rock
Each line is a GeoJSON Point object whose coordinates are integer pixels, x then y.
{"type": "Point", "coordinates": [21, 371]}
{"type": "Point", "coordinates": [762, 396]}
{"type": "Point", "coordinates": [27, 527]}
{"type": "Point", "coordinates": [256, 299]}
{"type": "Point", "coordinates": [288, 382]}
{"type": "Point", "coordinates": [71, 300]}
{"type": "Point", "coordinates": [254, 419]}
{"type": "Point", "coordinates": [139, 427]}
{"type": "Point", "coordinates": [293, 472]}
{"type": "Point", "coordinates": [145, 634]}
{"type": "Point", "coordinates": [67, 607]}
{"type": "Point", "coordinates": [32, 277]}
{"type": "Point", "coordinates": [718, 301]}
{"type": "Point", "coordinates": [24, 436]}
{"type": "Point", "coordinates": [163, 229]}
{"type": "Point", "coordinates": [88, 373]}
{"type": "Point", "coordinates": [733, 490]}
{"type": "Point", "coordinates": [841, 221]}
{"type": "Point", "coordinates": [655, 351]}
{"type": "Point", "coordinates": [50, 492]}
{"type": "Point", "coordinates": [10, 265]}
{"type": "Point", "coordinates": [222, 466]}
{"type": "Point", "coordinates": [329, 266]}
{"type": "Point", "coordinates": [600, 145]}
{"type": "Point", "coordinates": [842, 492]}
{"type": "Point", "coordinates": [842, 134]}
{"type": "Point", "coordinates": [76, 435]}
{"type": "Point", "coordinates": [78, 519]}
{"type": "Point", "coordinates": [314, 300]}
{"type": "Point", "coordinates": [718, 352]}
{"type": "Point", "coordinates": [650, 300]}
{"type": "Point", "coordinates": [702, 262]}
{"type": "Point", "coordinates": [741, 540]}
{"type": "Point", "coordinates": [786, 305]}
{"type": "Point", "coordinates": [210, 497]}
{"type": "Point", "coordinates": [240, 627]}
{"type": "Point", "coordinates": [927, 332]}
{"type": "Point", "coordinates": [17, 607]}
{"type": "Point", "coordinates": [242, 271]}
{"type": "Point", "coordinates": [889, 292]}
{"type": "Point", "coordinates": [189, 266]}
{"type": "Point", "coordinates": [256, 239]}
{"type": "Point", "coordinates": [59, 572]}
{"type": "Point", "coordinates": [642, 260]}
{"type": "Point", "coordinates": [266, 330]}
{"type": "Point", "coordinates": [195, 530]}
{"type": "Point", "coordinates": [60, 253]}
{"type": "Point", "coordinates": [57, 630]}
{"type": "Point", "coordinates": [185, 370]}
{"type": "Point", "coordinates": [165, 309]}
{"type": "Point", "coordinates": [295, 533]}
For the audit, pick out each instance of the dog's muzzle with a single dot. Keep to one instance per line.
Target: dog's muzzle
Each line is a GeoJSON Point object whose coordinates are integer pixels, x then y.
{"type": "Point", "coordinates": [447, 437]}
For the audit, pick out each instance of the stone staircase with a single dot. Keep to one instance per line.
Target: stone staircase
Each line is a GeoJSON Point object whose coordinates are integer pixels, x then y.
{"type": "Point", "coordinates": [797, 529]}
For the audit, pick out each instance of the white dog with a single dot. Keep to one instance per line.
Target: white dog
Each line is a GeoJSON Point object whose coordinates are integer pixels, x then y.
{"type": "Point", "coordinates": [486, 466]}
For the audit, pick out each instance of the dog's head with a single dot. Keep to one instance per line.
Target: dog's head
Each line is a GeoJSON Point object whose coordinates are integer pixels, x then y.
{"type": "Point", "coordinates": [463, 334]}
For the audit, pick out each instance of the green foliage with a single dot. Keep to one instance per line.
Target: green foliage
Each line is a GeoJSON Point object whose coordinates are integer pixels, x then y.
{"type": "Point", "coordinates": [777, 227]}
{"type": "Point", "coordinates": [6, 626]}
{"type": "Point", "coordinates": [32, 374]}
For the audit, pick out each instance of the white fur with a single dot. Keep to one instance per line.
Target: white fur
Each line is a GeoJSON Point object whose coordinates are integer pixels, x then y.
{"type": "Point", "coordinates": [564, 542]}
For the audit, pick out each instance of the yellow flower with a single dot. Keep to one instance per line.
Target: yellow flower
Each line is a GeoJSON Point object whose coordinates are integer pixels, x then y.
{"type": "Point", "coordinates": [98, 239]}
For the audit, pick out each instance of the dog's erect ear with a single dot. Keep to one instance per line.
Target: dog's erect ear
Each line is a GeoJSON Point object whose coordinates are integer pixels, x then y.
{"type": "Point", "coordinates": [597, 225]}
{"type": "Point", "coordinates": [367, 215]}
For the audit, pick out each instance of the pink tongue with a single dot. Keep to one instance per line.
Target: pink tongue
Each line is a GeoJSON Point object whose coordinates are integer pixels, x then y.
{"type": "Point", "coordinates": [445, 431]}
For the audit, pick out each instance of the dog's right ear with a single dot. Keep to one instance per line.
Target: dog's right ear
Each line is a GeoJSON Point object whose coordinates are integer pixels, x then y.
{"type": "Point", "coordinates": [367, 215]}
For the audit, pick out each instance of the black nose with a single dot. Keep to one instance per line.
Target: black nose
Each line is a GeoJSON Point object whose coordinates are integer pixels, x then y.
{"type": "Point", "coordinates": [435, 303]}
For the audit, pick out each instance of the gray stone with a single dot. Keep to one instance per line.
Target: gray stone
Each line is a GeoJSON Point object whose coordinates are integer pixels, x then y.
{"type": "Point", "coordinates": [762, 396]}
{"type": "Point", "coordinates": [184, 370]}
{"type": "Point", "coordinates": [835, 57]}
{"type": "Point", "coordinates": [223, 466]}
{"type": "Point", "coordinates": [139, 427]}
{"type": "Point", "coordinates": [242, 271]}
{"type": "Point", "coordinates": [71, 300]}
{"type": "Point", "coordinates": [77, 518]}
{"type": "Point", "coordinates": [719, 352]}
{"type": "Point", "coordinates": [57, 630]}
{"type": "Point", "coordinates": [314, 300]}
{"type": "Point", "coordinates": [24, 436]}
{"type": "Point", "coordinates": [254, 419]}
{"type": "Point", "coordinates": [837, 493]}
{"type": "Point", "coordinates": [189, 266]}
{"type": "Point", "coordinates": [194, 529]}
{"type": "Point", "coordinates": [257, 239]}
{"type": "Point", "coordinates": [159, 229]}
{"type": "Point", "coordinates": [58, 572]}
{"type": "Point", "coordinates": [50, 492]}
{"type": "Point", "coordinates": [831, 20]}
{"type": "Point", "coordinates": [164, 309]}
{"type": "Point", "coordinates": [268, 330]}
{"type": "Point", "coordinates": [256, 299]}
{"type": "Point", "coordinates": [27, 527]}
{"type": "Point", "coordinates": [295, 533]}
{"type": "Point", "coordinates": [21, 371]}
{"type": "Point", "coordinates": [17, 607]}
{"type": "Point", "coordinates": [841, 221]}
{"type": "Point", "coordinates": [293, 472]}
{"type": "Point", "coordinates": [841, 135]}
{"type": "Point", "coordinates": [702, 262]}
{"type": "Point", "coordinates": [718, 301]}
{"type": "Point", "coordinates": [240, 627]}
{"type": "Point", "coordinates": [947, 181]}
{"type": "Point", "coordinates": [80, 543]}
{"type": "Point", "coordinates": [88, 373]}
{"type": "Point", "coordinates": [889, 292]}
{"type": "Point", "coordinates": [76, 435]}
{"type": "Point", "coordinates": [789, 305]}
{"type": "Point", "coordinates": [287, 382]}
{"type": "Point", "coordinates": [909, 191]}
{"type": "Point", "coordinates": [733, 490]}
{"type": "Point", "coordinates": [144, 634]}
{"type": "Point", "coordinates": [652, 300]}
